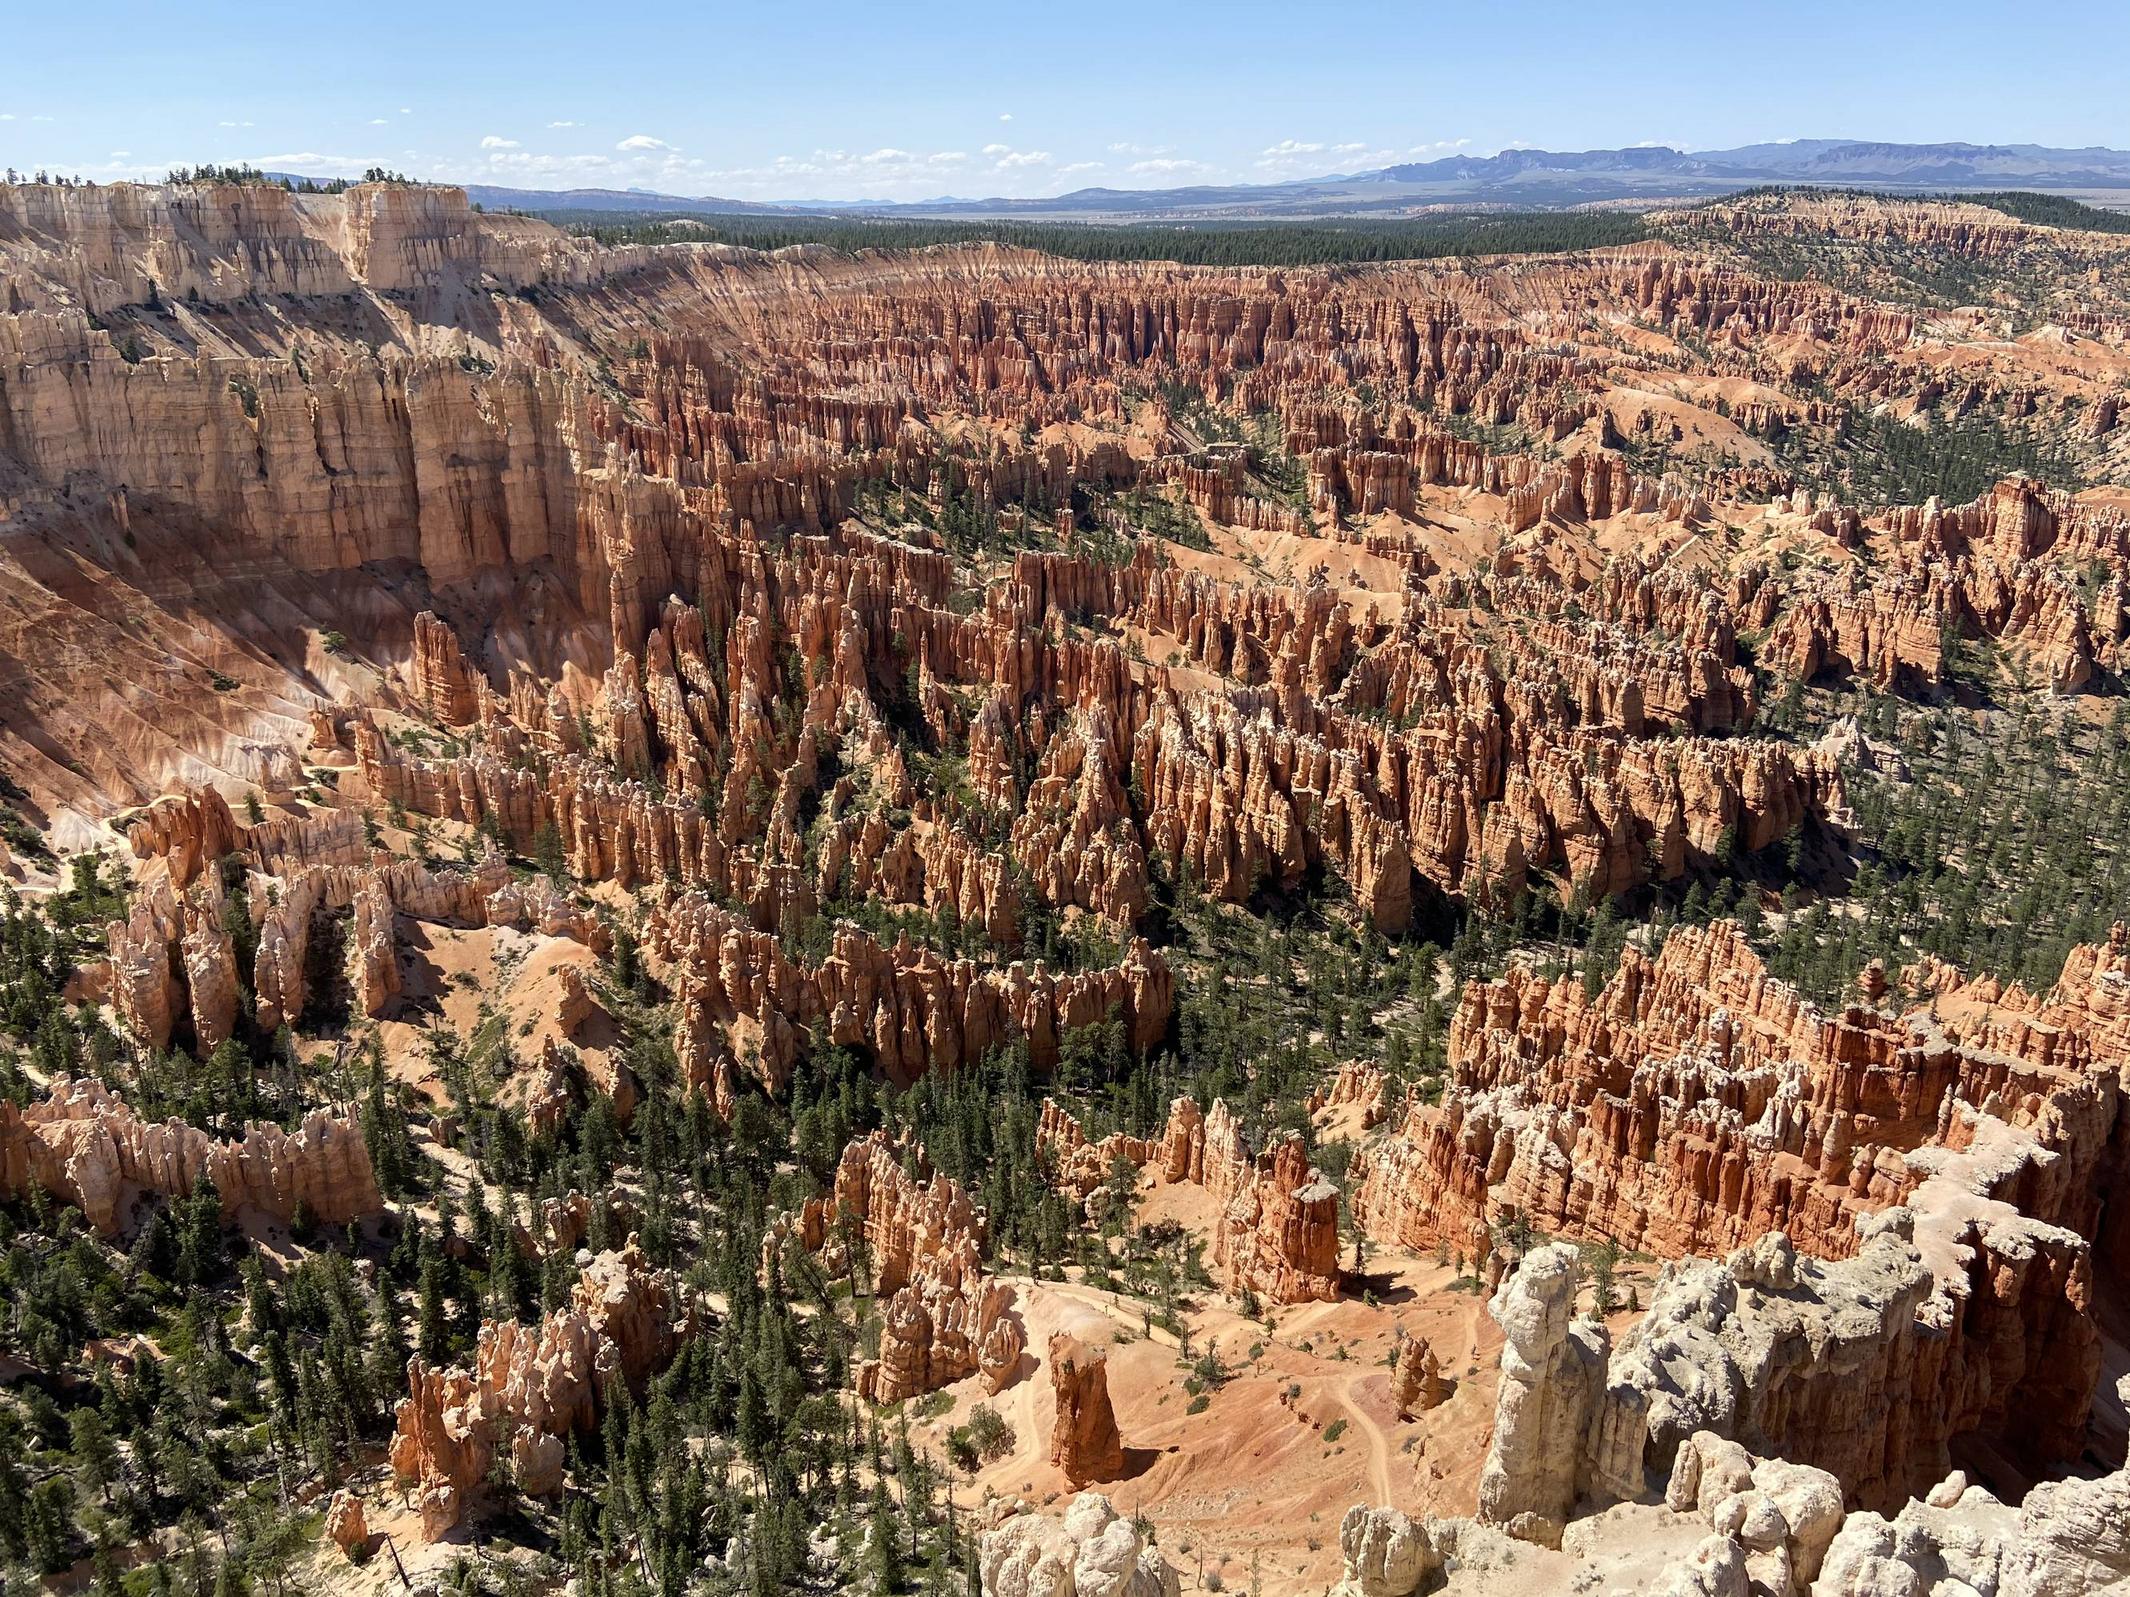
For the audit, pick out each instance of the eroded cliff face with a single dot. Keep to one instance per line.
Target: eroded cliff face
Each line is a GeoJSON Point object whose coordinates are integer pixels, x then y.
{"type": "Point", "coordinates": [603, 549]}
{"type": "Point", "coordinates": [1695, 1103]}
{"type": "Point", "coordinates": [1716, 1503]}
{"type": "Point", "coordinates": [1930, 1333]}
{"type": "Point", "coordinates": [1912, 1203]}
{"type": "Point", "coordinates": [81, 1144]}
{"type": "Point", "coordinates": [1090, 1551]}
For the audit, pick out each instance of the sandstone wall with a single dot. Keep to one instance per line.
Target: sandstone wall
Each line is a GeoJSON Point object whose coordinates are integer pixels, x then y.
{"type": "Point", "coordinates": [1695, 1103]}
{"type": "Point", "coordinates": [84, 1146]}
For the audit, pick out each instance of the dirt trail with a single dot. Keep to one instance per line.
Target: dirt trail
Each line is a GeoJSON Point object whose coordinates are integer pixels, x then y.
{"type": "Point", "coordinates": [1474, 1324]}
{"type": "Point", "coordinates": [1110, 1308]}
{"type": "Point", "coordinates": [1378, 1440]}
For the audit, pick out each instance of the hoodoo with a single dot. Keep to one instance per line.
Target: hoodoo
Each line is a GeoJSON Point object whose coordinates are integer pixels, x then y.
{"type": "Point", "coordinates": [738, 887]}
{"type": "Point", "coordinates": [1084, 1444]}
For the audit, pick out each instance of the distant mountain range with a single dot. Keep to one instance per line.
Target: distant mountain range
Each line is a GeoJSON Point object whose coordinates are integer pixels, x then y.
{"type": "Point", "coordinates": [1526, 178]}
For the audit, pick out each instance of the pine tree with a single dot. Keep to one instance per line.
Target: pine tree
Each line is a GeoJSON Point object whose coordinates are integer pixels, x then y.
{"type": "Point", "coordinates": [200, 1254]}
{"type": "Point", "coordinates": [883, 1544]}
{"type": "Point", "coordinates": [431, 1335]}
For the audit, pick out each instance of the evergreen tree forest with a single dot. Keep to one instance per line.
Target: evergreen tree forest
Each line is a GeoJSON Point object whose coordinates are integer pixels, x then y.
{"type": "Point", "coordinates": [1213, 243]}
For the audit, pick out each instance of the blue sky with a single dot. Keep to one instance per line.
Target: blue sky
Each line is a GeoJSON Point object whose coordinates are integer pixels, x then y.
{"type": "Point", "coordinates": [837, 101]}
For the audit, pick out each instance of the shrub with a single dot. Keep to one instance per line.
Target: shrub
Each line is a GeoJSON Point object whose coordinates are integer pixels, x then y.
{"type": "Point", "coordinates": [988, 1432]}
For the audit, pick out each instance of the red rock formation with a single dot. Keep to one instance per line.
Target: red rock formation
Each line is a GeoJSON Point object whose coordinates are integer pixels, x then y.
{"type": "Point", "coordinates": [1180, 1154]}
{"type": "Point", "coordinates": [690, 633]}
{"type": "Point", "coordinates": [189, 831]}
{"type": "Point", "coordinates": [1356, 1083]}
{"type": "Point", "coordinates": [944, 1317]}
{"type": "Point", "coordinates": [1278, 1231]}
{"type": "Point", "coordinates": [81, 1144]}
{"type": "Point", "coordinates": [1083, 1166]}
{"type": "Point", "coordinates": [1279, 1236]}
{"type": "Point", "coordinates": [1074, 834]}
{"type": "Point", "coordinates": [446, 690]}
{"type": "Point", "coordinates": [172, 958]}
{"type": "Point", "coordinates": [744, 999]}
{"type": "Point", "coordinates": [1084, 1443]}
{"type": "Point", "coordinates": [560, 1225]}
{"type": "Point", "coordinates": [2011, 566]}
{"type": "Point", "coordinates": [1417, 1383]}
{"type": "Point", "coordinates": [175, 954]}
{"type": "Point", "coordinates": [345, 1525]}
{"type": "Point", "coordinates": [1696, 1103]}
{"type": "Point", "coordinates": [373, 958]}
{"type": "Point", "coordinates": [533, 1385]}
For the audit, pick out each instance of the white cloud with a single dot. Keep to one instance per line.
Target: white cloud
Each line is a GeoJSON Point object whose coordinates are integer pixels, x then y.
{"type": "Point", "coordinates": [233, 124]}
{"type": "Point", "coordinates": [120, 155]}
{"type": "Point", "coordinates": [1005, 116]}
{"type": "Point", "coordinates": [9, 116]}
{"type": "Point", "coordinates": [1079, 166]}
{"type": "Point", "coordinates": [1168, 165]}
{"type": "Point", "coordinates": [1293, 147]}
{"type": "Point", "coordinates": [998, 149]}
{"type": "Point", "coordinates": [882, 171]}
{"type": "Point", "coordinates": [494, 141]}
{"type": "Point", "coordinates": [642, 142]}
{"type": "Point", "coordinates": [565, 124]}
{"type": "Point", "coordinates": [524, 163]}
{"type": "Point", "coordinates": [406, 110]}
{"type": "Point", "coordinates": [1021, 158]}
{"type": "Point", "coordinates": [1126, 147]}
{"type": "Point", "coordinates": [375, 122]}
